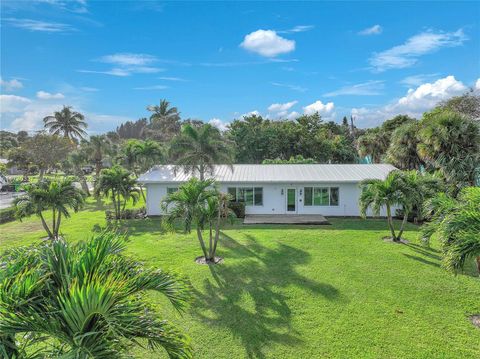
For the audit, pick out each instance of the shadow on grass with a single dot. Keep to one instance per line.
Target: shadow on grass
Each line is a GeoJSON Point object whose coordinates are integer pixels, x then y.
{"type": "Point", "coordinates": [422, 260]}
{"type": "Point", "coordinates": [249, 298]}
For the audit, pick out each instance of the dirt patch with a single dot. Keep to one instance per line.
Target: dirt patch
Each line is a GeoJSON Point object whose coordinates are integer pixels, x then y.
{"type": "Point", "coordinates": [202, 260]}
{"type": "Point", "coordinates": [475, 319]}
{"type": "Point", "coordinates": [390, 239]}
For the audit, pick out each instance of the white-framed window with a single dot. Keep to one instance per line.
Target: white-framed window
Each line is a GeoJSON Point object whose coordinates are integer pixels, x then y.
{"type": "Point", "coordinates": [251, 196]}
{"type": "Point", "coordinates": [321, 196]}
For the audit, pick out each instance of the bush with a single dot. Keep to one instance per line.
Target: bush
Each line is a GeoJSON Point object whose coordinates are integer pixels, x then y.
{"type": "Point", "coordinates": [238, 208]}
{"type": "Point", "coordinates": [7, 215]}
{"type": "Point", "coordinates": [135, 213]}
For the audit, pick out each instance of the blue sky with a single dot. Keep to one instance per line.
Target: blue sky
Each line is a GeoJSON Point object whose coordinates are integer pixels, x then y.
{"type": "Point", "coordinates": [219, 60]}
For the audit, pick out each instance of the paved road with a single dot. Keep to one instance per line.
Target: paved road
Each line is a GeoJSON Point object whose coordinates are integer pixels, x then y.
{"type": "Point", "coordinates": [6, 199]}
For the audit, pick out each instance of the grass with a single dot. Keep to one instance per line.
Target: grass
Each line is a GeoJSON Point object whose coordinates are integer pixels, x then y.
{"type": "Point", "coordinates": [302, 291]}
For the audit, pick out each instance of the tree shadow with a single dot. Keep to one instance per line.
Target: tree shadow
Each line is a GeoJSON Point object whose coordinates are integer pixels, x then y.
{"type": "Point", "coordinates": [421, 260]}
{"type": "Point", "coordinates": [249, 297]}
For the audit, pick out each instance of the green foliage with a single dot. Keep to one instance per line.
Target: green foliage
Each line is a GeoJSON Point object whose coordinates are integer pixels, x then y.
{"type": "Point", "coordinates": [238, 208]}
{"type": "Point", "coordinates": [456, 221]}
{"type": "Point", "coordinates": [294, 159]}
{"type": "Point", "coordinates": [7, 215]}
{"type": "Point", "coordinates": [66, 122]}
{"type": "Point", "coordinates": [85, 300]}
{"type": "Point", "coordinates": [403, 149]}
{"type": "Point", "coordinates": [164, 122]}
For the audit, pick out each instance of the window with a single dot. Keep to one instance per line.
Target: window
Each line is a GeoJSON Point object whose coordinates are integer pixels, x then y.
{"type": "Point", "coordinates": [321, 196]}
{"type": "Point", "coordinates": [251, 196]}
{"type": "Point", "coordinates": [308, 196]}
{"type": "Point", "coordinates": [171, 190]}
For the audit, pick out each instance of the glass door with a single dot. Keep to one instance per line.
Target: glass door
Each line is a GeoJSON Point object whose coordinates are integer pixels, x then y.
{"type": "Point", "coordinates": [291, 200]}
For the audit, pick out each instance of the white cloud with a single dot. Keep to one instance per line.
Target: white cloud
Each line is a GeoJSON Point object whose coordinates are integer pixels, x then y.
{"type": "Point", "coordinates": [216, 122]}
{"type": "Point", "coordinates": [369, 88]}
{"type": "Point", "coordinates": [12, 103]}
{"type": "Point", "coordinates": [291, 87]}
{"type": "Point", "coordinates": [251, 113]}
{"type": "Point", "coordinates": [11, 85]}
{"type": "Point", "coordinates": [281, 110]}
{"type": "Point", "coordinates": [89, 89]}
{"type": "Point", "coordinates": [298, 28]}
{"type": "Point", "coordinates": [323, 109]}
{"type": "Point", "coordinates": [267, 43]}
{"type": "Point", "coordinates": [374, 30]}
{"type": "Point", "coordinates": [166, 78]}
{"type": "Point", "coordinates": [416, 80]}
{"type": "Point", "coordinates": [126, 64]}
{"type": "Point", "coordinates": [477, 84]}
{"type": "Point", "coordinates": [407, 54]}
{"type": "Point", "coordinates": [414, 103]}
{"type": "Point", "coordinates": [36, 25]}
{"type": "Point", "coordinates": [154, 87]}
{"type": "Point", "coordinates": [43, 95]}
{"type": "Point", "coordinates": [128, 59]}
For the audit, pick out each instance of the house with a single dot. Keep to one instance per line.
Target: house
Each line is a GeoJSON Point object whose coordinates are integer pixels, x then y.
{"type": "Point", "coordinates": [326, 189]}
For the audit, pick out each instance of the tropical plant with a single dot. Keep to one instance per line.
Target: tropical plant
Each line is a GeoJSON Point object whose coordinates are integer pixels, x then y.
{"type": "Point", "coordinates": [197, 203]}
{"type": "Point", "coordinates": [373, 144]}
{"type": "Point", "coordinates": [164, 121]}
{"type": "Point", "coordinates": [450, 142]}
{"type": "Point", "coordinates": [198, 149]}
{"type": "Point", "coordinates": [98, 147]}
{"type": "Point", "coordinates": [402, 151]}
{"type": "Point", "coordinates": [46, 195]}
{"type": "Point", "coordinates": [393, 191]}
{"type": "Point", "coordinates": [78, 159]}
{"type": "Point", "coordinates": [85, 300]}
{"type": "Point", "coordinates": [456, 221]}
{"type": "Point", "coordinates": [149, 153]}
{"type": "Point", "coordinates": [66, 122]}
{"type": "Point", "coordinates": [117, 184]}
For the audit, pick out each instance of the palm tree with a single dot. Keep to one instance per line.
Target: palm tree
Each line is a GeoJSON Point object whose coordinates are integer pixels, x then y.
{"type": "Point", "coordinates": [98, 147]}
{"type": "Point", "coordinates": [457, 224]}
{"type": "Point", "coordinates": [450, 142]}
{"type": "Point", "coordinates": [66, 122]}
{"type": "Point", "coordinates": [402, 151]}
{"type": "Point", "coordinates": [85, 300]}
{"type": "Point", "coordinates": [199, 148]}
{"type": "Point", "coordinates": [164, 119]}
{"type": "Point", "coordinates": [373, 143]}
{"type": "Point", "coordinates": [56, 196]}
{"type": "Point", "coordinates": [197, 203]}
{"type": "Point", "coordinates": [117, 184]}
{"type": "Point", "coordinates": [148, 153]}
{"type": "Point", "coordinates": [78, 159]}
{"type": "Point", "coordinates": [387, 193]}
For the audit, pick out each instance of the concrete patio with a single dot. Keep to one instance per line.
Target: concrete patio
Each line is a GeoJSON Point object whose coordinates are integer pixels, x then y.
{"type": "Point", "coordinates": [285, 219]}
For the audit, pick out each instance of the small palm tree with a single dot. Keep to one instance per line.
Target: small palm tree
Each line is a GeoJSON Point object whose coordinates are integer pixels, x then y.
{"type": "Point", "coordinates": [457, 224]}
{"type": "Point", "coordinates": [56, 196]}
{"type": "Point", "coordinates": [402, 151]}
{"type": "Point", "coordinates": [199, 148]}
{"type": "Point", "coordinates": [66, 122]}
{"type": "Point", "coordinates": [392, 191]}
{"type": "Point", "coordinates": [78, 159]}
{"type": "Point", "coordinates": [197, 203]}
{"type": "Point", "coordinates": [117, 184]}
{"type": "Point", "coordinates": [98, 147]}
{"type": "Point", "coordinates": [84, 300]}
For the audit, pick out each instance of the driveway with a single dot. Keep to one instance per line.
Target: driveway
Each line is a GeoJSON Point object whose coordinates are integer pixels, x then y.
{"type": "Point", "coordinates": [6, 199]}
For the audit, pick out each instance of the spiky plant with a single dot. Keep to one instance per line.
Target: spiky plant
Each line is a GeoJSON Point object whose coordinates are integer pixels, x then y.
{"type": "Point", "coordinates": [84, 300]}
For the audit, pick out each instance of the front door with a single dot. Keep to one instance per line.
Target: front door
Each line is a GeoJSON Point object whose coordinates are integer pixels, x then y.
{"type": "Point", "coordinates": [291, 200]}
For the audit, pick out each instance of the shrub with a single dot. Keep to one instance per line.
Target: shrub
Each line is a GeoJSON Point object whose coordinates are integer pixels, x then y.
{"type": "Point", "coordinates": [238, 208]}
{"type": "Point", "coordinates": [134, 213]}
{"type": "Point", "coordinates": [7, 215]}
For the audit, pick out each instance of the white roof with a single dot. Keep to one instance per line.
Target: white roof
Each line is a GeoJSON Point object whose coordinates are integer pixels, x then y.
{"type": "Point", "coordinates": [278, 173]}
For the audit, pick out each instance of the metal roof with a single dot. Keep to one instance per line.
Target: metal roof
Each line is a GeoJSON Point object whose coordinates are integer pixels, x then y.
{"type": "Point", "coordinates": [278, 173]}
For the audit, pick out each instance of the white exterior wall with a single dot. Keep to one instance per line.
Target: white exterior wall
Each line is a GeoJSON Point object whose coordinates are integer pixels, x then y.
{"type": "Point", "coordinates": [273, 200]}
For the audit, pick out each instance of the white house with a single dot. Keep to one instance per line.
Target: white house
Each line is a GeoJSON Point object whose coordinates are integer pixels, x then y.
{"type": "Point", "coordinates": [326, 189]}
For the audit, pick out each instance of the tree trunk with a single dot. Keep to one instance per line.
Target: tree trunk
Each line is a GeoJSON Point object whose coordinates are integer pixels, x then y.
{"type": "Point", "coordinates": [405, 216]}
{"type": "Point", "coordinates": [478, 264]}
{"type": "Point", "coordinates": [41, 173]}
{"type": "Point", "coordinates": [58, 224]}
{"type": "Point", "coordinates": [210, 248]}
{"type": "Point", "coordinates": [45, 226]}
{"type": "Point", "coordinates": [83, 181]}
{"type": "Point", "coordinates": [201, 169]}
{"type": "Point", "coordinates": [390, 223]}
{"type": "Point", "coordinates": [202, 243]}
{"type": "Point", "coordinates": [217, 229]}
{"type": "Point", "coordinates": [54, 224]}
{"type": "Point", "coordinates": [98, 167]}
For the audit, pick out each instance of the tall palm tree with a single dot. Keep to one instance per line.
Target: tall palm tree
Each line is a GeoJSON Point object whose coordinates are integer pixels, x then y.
{"type": "Point", "coordinates": [56, 196]}
{"type": "Point", "coordinates": [98, 148]}
{"type": "Point", "coordinates": [117, 183]}
{"type": "Point", "coordinates": [403, 152]}
{"type": "Point", "coordinates": [373, 143]}
{"type": "Point", "coordinates": [149, 153]}
{"type": "Point", "coordinates": [85, 300]}
{"type": "Point", "coordinates": [457, 224]}
{"type": "Point", "coordinates": [377, 194]}
{"type": "Point", "coordinates": [66, 122]}
{"type": "Point", "coordinates": [164, 119]}
{"type": "Point", "coordinates": [199, 148]}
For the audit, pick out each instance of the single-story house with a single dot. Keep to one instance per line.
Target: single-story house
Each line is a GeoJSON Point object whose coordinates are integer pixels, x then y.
{"type": "Point", "coordinates": [325, 189]}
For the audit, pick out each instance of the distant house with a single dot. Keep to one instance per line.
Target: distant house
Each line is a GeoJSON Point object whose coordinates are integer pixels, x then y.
{"type": "Point", "coordinates": [326, 189]}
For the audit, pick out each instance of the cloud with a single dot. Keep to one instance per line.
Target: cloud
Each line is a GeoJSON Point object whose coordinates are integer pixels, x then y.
{"type": "Point", "coordinates": [477, 85]}
{"type": "Point", "coordinates": [407, 54]}
{"type": "Point", "coordinates": [12, 103]}
{"type": "Point", "coordinates": [298, 28]}
{"type": "Point", "coordinates": [75, 6]}
{"type": "Point", "coordinates": [281, 110]}
{"type": "Point", "coordinates": [172, 79]}
{"type": "Point", "coordinates": [153, 87]}
{"type": "Point", "coordinates": [12, 85]}
{"type": "Point", "coordinates": [126, 64]}
{"type": "Point", "coordinates": [291, 87]}
{"type": "Point", "coordinates": [414, 103]}
{"type": "Point", "coordinates": [89, 89]}
{"type": "Point", "coordinates": [369, 88]}
{"type": "Point", "coordinates": [323, 109]}
{"type": "Point", "coordinates": [36, 25]}
{"type": "Point", "coordinates": [416, 80]}
{"type": "Point", "coordinates": [374, 30]}
{"type": "Point", "coordinates": [49, 96]}
{"type": "Point", "coordinates": [251, 113]}
{"type": "Point", "coordinates": [267, 43]}
{"type": "Point", "coordinates": [216, 122]}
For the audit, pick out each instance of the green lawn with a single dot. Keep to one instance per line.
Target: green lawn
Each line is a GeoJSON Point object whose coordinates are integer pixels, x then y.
{"type": "Point", "coordinates": [302, 291]}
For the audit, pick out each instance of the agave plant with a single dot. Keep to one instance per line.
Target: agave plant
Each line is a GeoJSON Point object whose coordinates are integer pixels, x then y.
{"type": "Point", "coordinates": [85, 300]}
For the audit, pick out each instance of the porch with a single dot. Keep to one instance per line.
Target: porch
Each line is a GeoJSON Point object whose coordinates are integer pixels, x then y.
{"type": "Point", "coordinates": [285, 219]}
